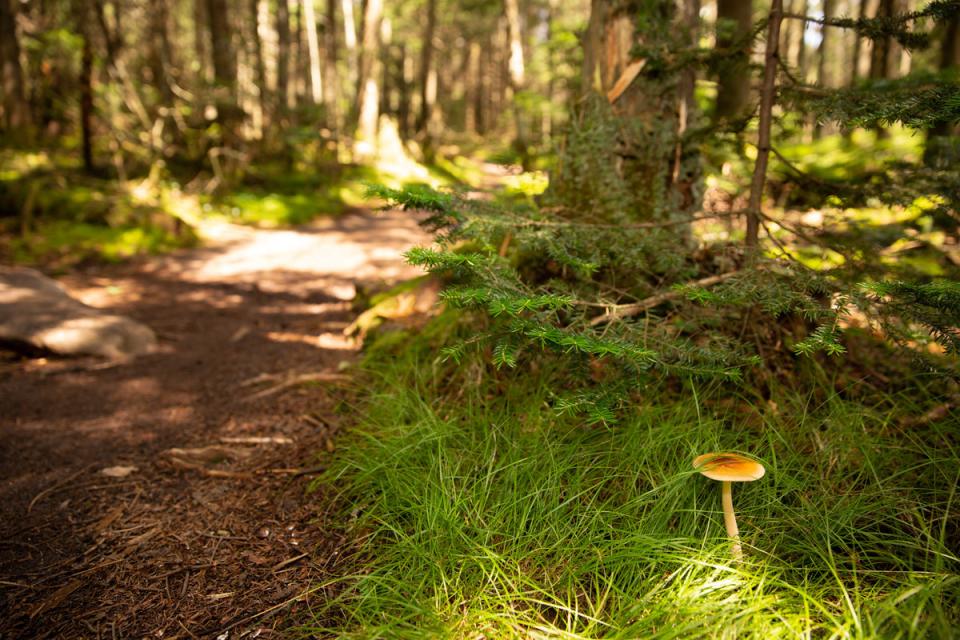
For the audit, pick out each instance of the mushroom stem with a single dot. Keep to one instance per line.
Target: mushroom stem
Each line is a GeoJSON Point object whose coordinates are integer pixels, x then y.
{"type": "Point", "coordinates": [730, 520]}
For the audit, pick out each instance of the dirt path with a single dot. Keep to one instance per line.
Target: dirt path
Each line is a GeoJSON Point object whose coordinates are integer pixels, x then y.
{"type": "Point", "coordinates": [220, 543]}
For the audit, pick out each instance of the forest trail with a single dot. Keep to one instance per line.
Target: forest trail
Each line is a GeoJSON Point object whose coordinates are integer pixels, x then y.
{"type": "Point", "coordinates": [218, 540]}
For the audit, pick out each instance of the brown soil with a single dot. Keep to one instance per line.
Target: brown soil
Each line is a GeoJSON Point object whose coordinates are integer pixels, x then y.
{"type": "Point", "coordinates": [222, 545]}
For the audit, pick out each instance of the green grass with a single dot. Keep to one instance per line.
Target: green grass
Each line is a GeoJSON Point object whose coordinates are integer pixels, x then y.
{"type": "Point", "coordinates": [479, 513]}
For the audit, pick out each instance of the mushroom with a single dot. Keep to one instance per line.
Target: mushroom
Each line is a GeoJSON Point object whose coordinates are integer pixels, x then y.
{"type": "Point", "coordinates": [727, 468]}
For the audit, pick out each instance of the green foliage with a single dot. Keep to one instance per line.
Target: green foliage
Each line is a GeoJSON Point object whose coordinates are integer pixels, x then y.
{"type": "Point", "coordinates": [917, 101]}
{"type": "Point", "coordinates": [479, 511]}
{"type": "Point", "coordinates": [932, 305]}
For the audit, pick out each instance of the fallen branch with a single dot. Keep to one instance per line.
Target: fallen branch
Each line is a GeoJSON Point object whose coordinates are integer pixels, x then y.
{"type": "Point", "coordinates": [291, 380]}
{"type": "Point", "coordinates": [626, 310]}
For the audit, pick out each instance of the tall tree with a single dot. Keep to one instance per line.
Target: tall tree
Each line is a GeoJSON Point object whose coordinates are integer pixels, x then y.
{"type": "Point", "coordinates": [224, 69]}
{"type": "Point", "coordinates": [516, 68]}
{"type": "Point", "coordinates": [656, 166]}
{"type": "Point", "coordinates": [942, 148]}
{"type": "Point", "coordinates": [283, 58]}
{"type": "Point", "coordinates": [332, 84]}
{"type": "Point", "coordinates": [258, 12]}
{"type": "Point", "coordinates": [734, 24]}
{"type": "Point", "coordinates": [824, 56]}
{"type": "Point", "coordinates": [368, 100]}
{"type": "Point", "coordinates": [428, 74]}
{"type": "Point", "coordinates": [313, 51]}
{"type": "Point", "coordinates": [16, 110]}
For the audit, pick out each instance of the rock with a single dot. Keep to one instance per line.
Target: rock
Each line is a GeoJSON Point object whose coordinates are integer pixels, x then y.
{"type": "Point", "coordinates": [37, 311]}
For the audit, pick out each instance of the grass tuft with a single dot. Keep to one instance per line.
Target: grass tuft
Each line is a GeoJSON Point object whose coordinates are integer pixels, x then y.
{"type": "Point", "coordinates": [478, 512]}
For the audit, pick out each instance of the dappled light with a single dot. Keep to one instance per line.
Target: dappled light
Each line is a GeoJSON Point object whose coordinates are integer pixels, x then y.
{"type": "Point", "coordinates": [479, 319]}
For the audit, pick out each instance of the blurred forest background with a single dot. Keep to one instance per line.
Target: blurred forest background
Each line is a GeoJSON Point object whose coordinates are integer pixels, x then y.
{"type": "Point", "coordinates": [663, 227]}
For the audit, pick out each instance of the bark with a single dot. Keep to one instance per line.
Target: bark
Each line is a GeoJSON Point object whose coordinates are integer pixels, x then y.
{"type": "Point", "coordinates": [660, 170]}
{"type": "Point", "coordinates": [86, 103]}
{"type": "Point", "coordinates": [734, 23]}
{"type": "Point", "coordinates": [313, 51]}
{"type": "Point", "coordinates": [350, 40]}
{"type": "Point", "coordinates": [857, 46]}
{"type": "Point", "coordinates": [16, 109]}
{"type": "Point", "coordinates": [880, 58]}
{"type": "Point", "coordinates": [283, 58]}
{"type": "Point", "coordinates": [259, 65]}
{"type": "Point", "coordinates": [224, 70]}
{"type": "Point", "coordinates": [767, 96]}
{"type": "Point", "coordinates": [428, 74]}
{"type": "Point", "coordinates": [942, 149]}
{"type": "Point", "coordinates": [369, 89]}
{"type": "Point", "coordinates": [200, 44]}
{"type": "Point", "coordinates": [516, 76]}
{"type": "Point", "coordinates": [330, 68]}
{"type": "Point", "coordinates": [825, 56]}
{"type": "Point", "coordinates": [161, 53]}
{"type": "Point", "coordinates": [802, 60]}
{"type": "Point", "coordinates": [472, 94]}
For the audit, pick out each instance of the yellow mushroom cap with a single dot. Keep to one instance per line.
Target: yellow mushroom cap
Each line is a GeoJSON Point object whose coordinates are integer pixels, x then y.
{"type": "Point", "coordinates": [729, 467]}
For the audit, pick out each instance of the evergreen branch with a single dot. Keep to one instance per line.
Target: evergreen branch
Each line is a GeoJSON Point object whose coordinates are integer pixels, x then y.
{"type": "Point", "coordinates": [619, 311]}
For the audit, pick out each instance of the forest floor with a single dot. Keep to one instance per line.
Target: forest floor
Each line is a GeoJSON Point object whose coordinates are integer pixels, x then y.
{"type": "Point", "coordinates": [166, 497]}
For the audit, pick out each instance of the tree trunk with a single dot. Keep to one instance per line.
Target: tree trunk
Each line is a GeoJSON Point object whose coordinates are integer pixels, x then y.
{"type": "Point", "coordinates": [224, 70]}
{"type": "Point", "coordinates": [516, 77]}
{"type": "Point", "coordinates": [16, 109]}
{"type": "Point", "coordinates": [313, 51]}
{"type": "Point", "coordinates": [802, 60]}
{"type": "Point", "coordinates": [428, 74]}
{"type": "Point", "coordinates": [768, 93]}
{"type": "Point", "coordinates": [857, 46]}
{"type": "Point", "coordinates": [283, 59]}
{"type": "Point", "coordinates": [824, 58]}
{"type": "Point", "coordinates": [332, 84]}
{"type": "Point", "coordinates": [657, 169]}
{"type": "Point", "coordinates": [86, 103]}
{"type": "Point", "coordinates": [350, 41]}
{"type": "Point", "coordinates": [473, 98]}
{"type": "Point", "coordinates": [369, 90]}
{"type": "Point", "coordinates": [942, 149]}
{"type": "Point", "coordinates": [259, 64]}
{"type": "Point", "coordinates": [734, 23]}
{"type": "Point", "coordinates": [880, 58]}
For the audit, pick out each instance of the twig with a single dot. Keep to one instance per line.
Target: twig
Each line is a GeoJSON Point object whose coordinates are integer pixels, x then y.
{"type": "Point", "coordinates": [767, 95]}
{"type": "Point", "coordinates": [636, 308]}
{"type": "Point", "coordinates": [298, 379]}
{"type": "Point", "coordinates": [56, 486]}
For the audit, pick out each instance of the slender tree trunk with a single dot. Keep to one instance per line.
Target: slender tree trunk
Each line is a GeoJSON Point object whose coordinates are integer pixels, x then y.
{"type": "Point", "coordinates": [257, 52]}
{"type": "Point", "coordinates": [942, 149]}
{"type": "Point", "coordinates": [880, 58]}
{"type": "Point", "coordinates": [516, 77]}
{"type": "Point", "coordinates": [369, 99]}
{"type": "Point", "coordinates": [16, 109]}
{"type": "Point", "coordinates": [350, 41]}
{"type": "Point", "coordinates": [824, 57]}
{"type": "Point", "coordinates": [802, 59]}
{"type": "Point", "coordinates": [313, 50]}
{"type": "Point", "coordinates": [857, 46]}
{"type": "Point", "coordinates": [86, 102]}
{"type": "Point", "coordinates": [473, 98]}
{"type": "Point", "coordinates": [224, 70]}
{"type": "Point", "coordinates": [767, 95]}
{"type": "Point", "coordinates": [200, 44]}
{"type": "Point", "coordinates": [283, 59]}
{"type": "Point", "coordinates": [428, 74]}
{"type": "Point", "coordinates": [332, 84]}
{"type": "Point", "coordinates": [404, 83]}
{"type": "Point", "coordinates": [734, 23]}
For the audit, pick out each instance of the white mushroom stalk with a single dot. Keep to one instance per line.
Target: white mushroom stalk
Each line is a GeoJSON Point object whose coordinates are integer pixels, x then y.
{"type": "Point", "coordinates": [729, 468]}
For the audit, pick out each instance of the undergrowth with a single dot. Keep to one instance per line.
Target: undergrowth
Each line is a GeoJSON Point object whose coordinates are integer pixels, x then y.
{"type": "Point", "coordinates": [479, 511]}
